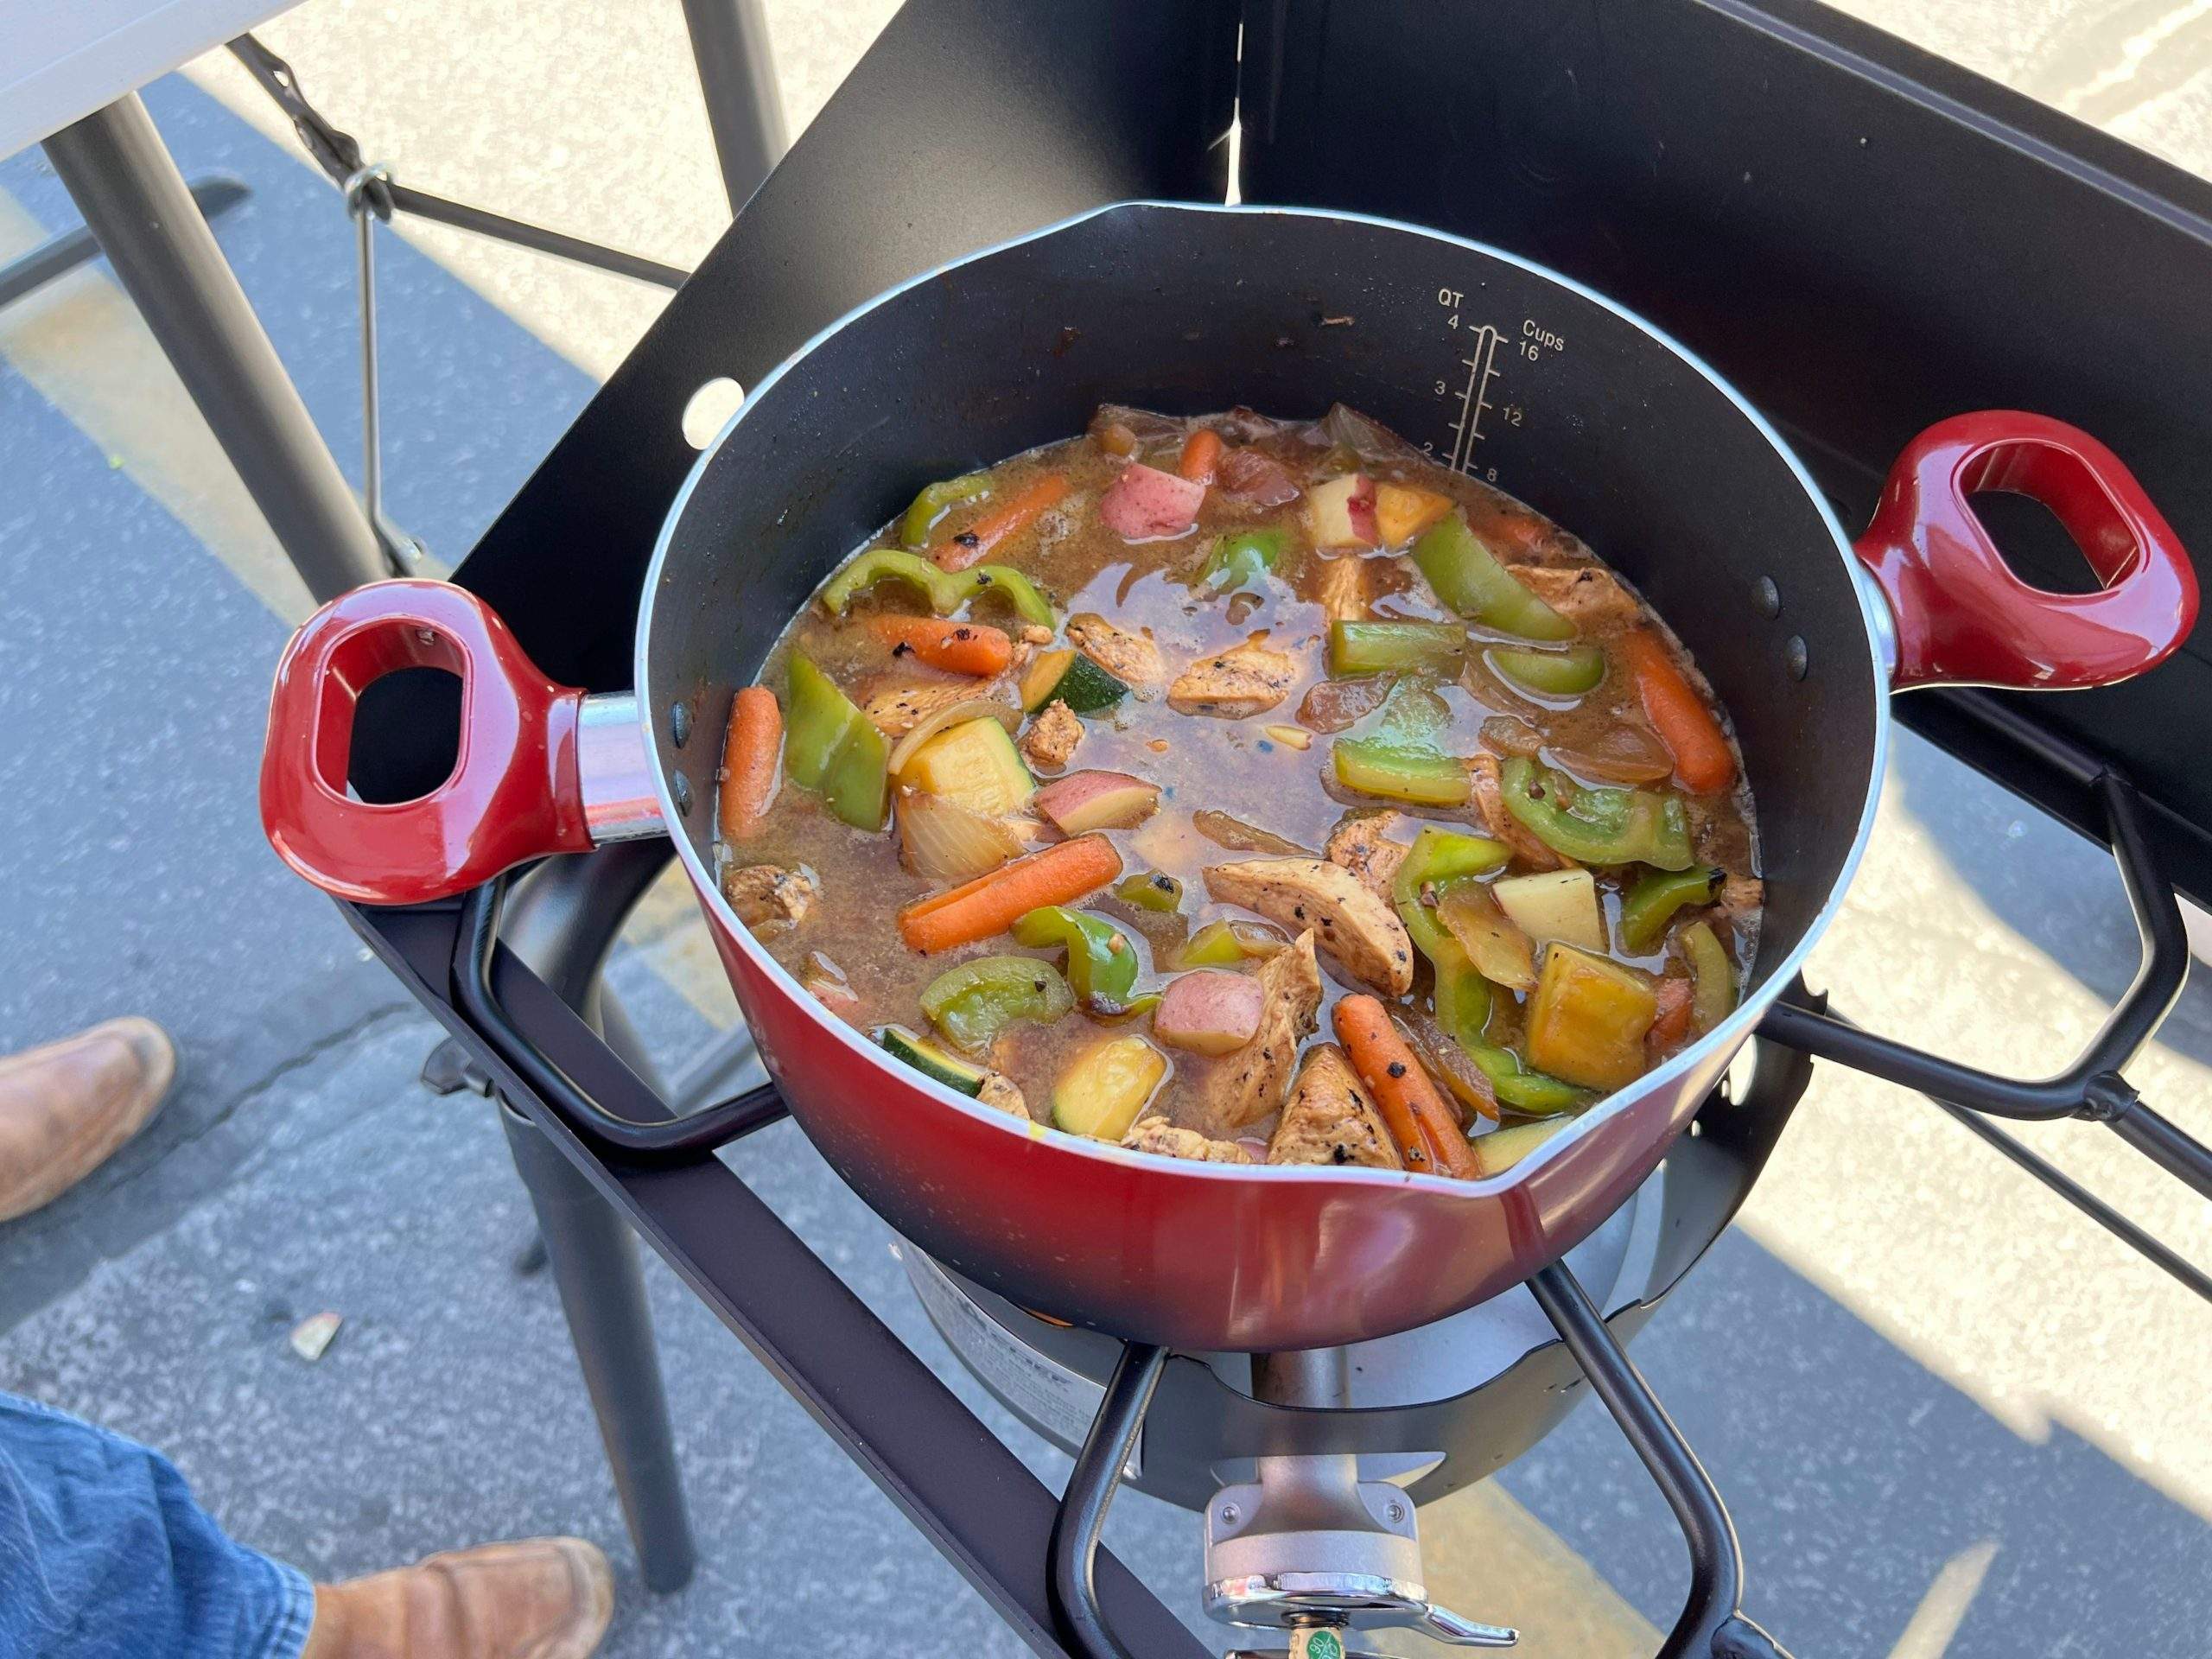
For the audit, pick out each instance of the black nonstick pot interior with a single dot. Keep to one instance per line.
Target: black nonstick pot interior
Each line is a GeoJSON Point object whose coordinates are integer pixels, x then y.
{"type": "Point", "coordinates": [1582, 412]}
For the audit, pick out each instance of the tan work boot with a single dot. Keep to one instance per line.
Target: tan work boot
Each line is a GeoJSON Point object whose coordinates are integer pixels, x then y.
{"type": "Point", "coordinates": [66, 1108]}
{"type": "Point", "coordinates": [541, 1598]}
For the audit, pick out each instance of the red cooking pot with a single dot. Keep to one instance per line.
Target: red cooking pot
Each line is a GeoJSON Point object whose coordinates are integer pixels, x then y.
{"type": "Point", "coordinates": [1494, 365]}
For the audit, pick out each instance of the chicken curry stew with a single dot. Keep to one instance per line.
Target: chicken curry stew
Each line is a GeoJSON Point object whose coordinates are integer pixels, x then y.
{"type": "Point", "coordinates": [1248, 790]}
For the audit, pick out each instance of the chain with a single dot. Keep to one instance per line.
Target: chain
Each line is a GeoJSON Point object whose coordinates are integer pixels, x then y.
{"type": "Point", "coordinates": [335, 151]}
{"type": "Point", "coordinates": [338, 155]}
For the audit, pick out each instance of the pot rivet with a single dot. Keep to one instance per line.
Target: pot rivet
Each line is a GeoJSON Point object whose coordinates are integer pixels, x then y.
{"type": "Point", "coordinates": [679, 724]}
{"type": "Point", "coordinates": [1231, 1515]}
{"type": "Point", "coordinates": [682, 790]}
{"type": "Point", "coordinates": [1793, 656]}
{"type": "Point", "coordinates": [1766, 598]}
{"type": "Point", "coordinates": [1396, 1511]}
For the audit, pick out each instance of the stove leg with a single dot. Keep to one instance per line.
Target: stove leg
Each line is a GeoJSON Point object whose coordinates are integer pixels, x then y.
{"type": "Point", "coordinates": [594, 1259]}
{"type": "Point", "coordinates": [135, 202]}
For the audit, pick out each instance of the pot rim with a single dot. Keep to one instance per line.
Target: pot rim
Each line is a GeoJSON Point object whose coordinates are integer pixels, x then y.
{"type": "Point", "coordinates": [1727, 1036]}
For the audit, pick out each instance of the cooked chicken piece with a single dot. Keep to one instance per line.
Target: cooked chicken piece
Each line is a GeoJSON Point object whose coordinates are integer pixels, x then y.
{"type": "Point", "coordinates": [1329, 1119]}
{"type": "Point", "coordinates": [1360, 931]}
{"type": "Point", "coordinates": [1350, 584]}
{"type": "Point", "coordinates": [1342, 587]}
{"type": "Point", "coordinates": [1739, 896]}
{"type": "Point", "coordinates": [1130, 657]}
{"type": "Point", "coordinates": [1335, 705]}
{"type": "Point", "coordinates": [1520, 537]}
{"type": "Point", "coordinates": [1244, 1085]}
{"type": "Point", "coordinates": [1052, 736]}
{"type": "Point", "coordinates": [1002, 1091]}
{"type": "Point", "coordinates": [1364, 846]}
{"type": "Point", "coordinates": [1157, 1135]}
{"type": "Point", "coordinates": [1483, 774]}
{"type": "Point", "coordinates": [1587, 597]}
{"type": "Point", "coordinates": [1036, 633]}
{"type": "Point", "coordinates": [768, 895]}
{"type": "Point", "coordinates": [1243, 681]}
{"type": "Point", "coordinates": [897, 709]}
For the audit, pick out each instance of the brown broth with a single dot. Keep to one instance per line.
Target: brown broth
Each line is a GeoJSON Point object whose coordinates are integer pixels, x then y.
{"type": "Point", "coordinates": [1201, 762]}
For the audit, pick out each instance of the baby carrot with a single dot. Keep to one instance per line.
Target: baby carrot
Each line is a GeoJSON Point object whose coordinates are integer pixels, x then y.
{"type": "Point", "coordinates": [957, 647]}
{"type": "Point", "coordinates": [987, 533]}
{"type": "Point", "coordinates": [1685, 725]}
{"type": "Point", "coordinates": [751, 751]}
{"type": "Point", "coordinates": [1201, 453]}
{"type": "Point", "coordinates": [1422, 1125]}
{"type": "Point", "coordinates": [991, 904]}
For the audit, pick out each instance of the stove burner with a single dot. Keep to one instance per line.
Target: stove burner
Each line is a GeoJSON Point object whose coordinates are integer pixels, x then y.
{"type": "Point", "coordinates": [1459, 1402]}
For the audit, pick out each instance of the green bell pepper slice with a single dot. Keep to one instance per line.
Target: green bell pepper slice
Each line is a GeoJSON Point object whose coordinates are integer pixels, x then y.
{"type": "Point", "coordinates": [1241, 558]}
{"type": "Point", "coordinates": [1101, 962]}
{"type": "Point", "coordinates": [1436, 858]}
{"type": "Point", "coordinates": [1029, 604]}
{"type": "Point", "coordinates": [1712, 978]}
{"type": "Point", "coordinates": [830, 746]}
{"type": "Point", "coordinates": [1401, 758]}
{"type": "Point", "coordinates": [1149, 890]}
{"type": "Point", "coordinates": [1394, 647]}
{"type": "Point", "coordinates": [880, 564]}
{"type": "Point", "coordinates": [930, 505]}
{"type": "Point", "coordinates": [1657, 894]}
{"type": "Point", "coordinates": [1468, 577]}
{"type": "Point", "coordinates": [1439, 855]}
{"type": "Point", "coordinates": [1534, 1094]}
{"type": "Point", "coordinates": [1567, 673]}
{"type": "Point", "coordinates": [1460, 995]}
{"type": "Point", "coordinates": [946, 590]}
{"type": "Point", "coordinates": [1596, 826]}
{"type": "Point", "coordinates": [1393, 775]}
{"type": "Point", "coordinates": [972, 1003]}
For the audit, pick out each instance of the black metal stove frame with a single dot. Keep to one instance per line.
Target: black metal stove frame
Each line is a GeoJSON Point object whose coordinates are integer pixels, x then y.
{"type": "Point", "coordinates": [1742, 172]}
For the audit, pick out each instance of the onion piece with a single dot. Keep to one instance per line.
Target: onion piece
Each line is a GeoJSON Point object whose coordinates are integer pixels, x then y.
{"type": "Point", "coordinates": [1511, 734]}
{"type": "Point", "coordinates": [943, 841]}
{"type": "Point", "coordinates": [1470, 1085]}
{"type": "Point", "coordinates": [1498, 946]}
{"type": "Point", "coordinates": [1624, 754]}
{"type": "Point", "coordinates": [1238, 836]}
{"type": "Point", "coordinates": [930, 725]}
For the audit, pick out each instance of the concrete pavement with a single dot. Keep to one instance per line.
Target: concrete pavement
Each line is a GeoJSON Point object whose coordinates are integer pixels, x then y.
{"type": "Point", "coordinates": [1949, 1415]}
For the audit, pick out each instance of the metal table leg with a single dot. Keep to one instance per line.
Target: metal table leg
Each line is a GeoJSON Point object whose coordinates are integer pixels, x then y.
{"type": "Point", "coordinates": [134, 200]}
{"type": "Point", "coordinates": [60, 254]}
{"type": "Point", "coordinates": [562, 920]}
{"type": "Point", "coordinates": [737, 75]}
{"type": "Point", "coordinates": [595, 1263]}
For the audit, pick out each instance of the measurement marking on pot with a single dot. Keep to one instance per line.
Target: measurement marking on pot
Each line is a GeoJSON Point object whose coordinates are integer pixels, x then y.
{"type": "Point", "coordinates": [1474, 399]}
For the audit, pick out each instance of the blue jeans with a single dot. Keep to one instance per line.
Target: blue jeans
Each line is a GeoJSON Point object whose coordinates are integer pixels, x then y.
{"type": "Point", "coordinates": [104, 1555]}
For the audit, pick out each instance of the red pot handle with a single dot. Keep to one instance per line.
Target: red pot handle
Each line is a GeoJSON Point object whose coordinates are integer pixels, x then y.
{"type": "Point", "coordinates": [1964, 618]}
{"type": "Point", "coordinates": [514, 792]}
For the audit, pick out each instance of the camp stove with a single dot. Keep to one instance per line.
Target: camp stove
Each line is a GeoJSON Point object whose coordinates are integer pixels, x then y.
{"type": "Point", "coordinates": [1309, 1469]}
{"type": "Point", "coordinates": [1743, 172]}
